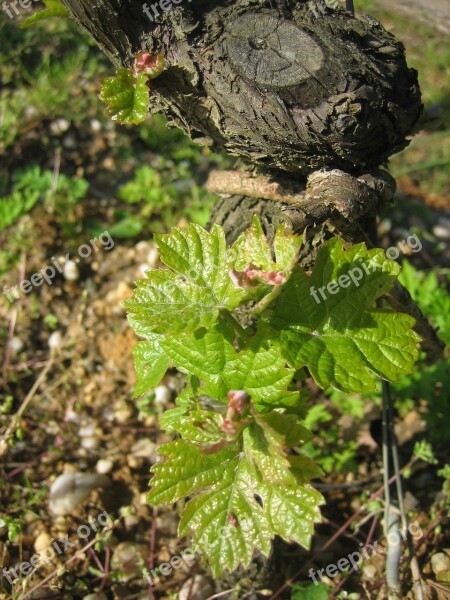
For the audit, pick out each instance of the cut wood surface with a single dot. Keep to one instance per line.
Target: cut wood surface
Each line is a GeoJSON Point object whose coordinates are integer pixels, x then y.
{"type": "Point", "coordinates": [289, 85]}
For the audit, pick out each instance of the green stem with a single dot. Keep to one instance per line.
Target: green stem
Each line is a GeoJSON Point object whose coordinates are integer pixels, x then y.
{"type": "Point", "coordinates": [268, 299]}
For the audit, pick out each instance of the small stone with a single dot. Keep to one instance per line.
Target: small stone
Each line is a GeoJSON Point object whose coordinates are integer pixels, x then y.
{"type": "Point", "coordinates": [60, 524]}
{"type": "Point", "coordinates": [167, 524]}
{"type": "Point", "coordinates": [153, 257]}
{"type": "Point", "coordinates": [71, 271]}
{"type": "Point", "coordinates": [129, 559]}
{"type": "Point", "coordinates": [123, 414]}
{"type": "Point", "coordinates": [370, 572]}
{"type": "Point", "coordinates": [144, 448]}
{"type": "Point", "coordinates": [59, 126]}
{"type": "Point", "coordinates": [72, 417]}
{"type": "Point", "coordinates": [197, 587]}
{"type": "Point", "coordinates": [31, 112]}
{"type": "Point", "coordinates": [95, 125]}
{"type": "Point", "coordinates": [131, 521]}
{"type": "Point", "coordinates": [69, 142]}
{"type": "Point", "coordinates": [87, 429]}
{"type": "Point", "coordinates": [68, 491]}
{"type": "Point", "coordinates": [104, 466]}
{"type": "Point", "coordinates": [108, 414]}
{"type": "Point", "coordinates": [162, 396]}
{"type": "Point", "coordinates": [141, 250]}
{"type": "Point", "coordinates": [117, 297]}
{"type": "Point", "coordinates": [440, 563]}
{"type": "Point", "coordinates": [134, 462]}
{"type": "Point", "coordinates": [441, 232]}
{"type": "Point", "coordinates": [16, 345]}
{"type": "Point", "coordinates": [142, 269]}
{"type": "Point", "coordinates": [384, 227]}
{"type": "Point", "coordinates": [42, 542]}
{"type": "Point", "coordinates": [55, 341]}
{"type": "Point", "coordinates": [90, 443]}
{"type": "Point", "coordinates": [109, 164]}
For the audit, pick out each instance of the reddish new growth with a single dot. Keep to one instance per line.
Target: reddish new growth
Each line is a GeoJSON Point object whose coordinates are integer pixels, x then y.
{"type": "Point", "coordinates": [237, 405]}
{"type": "Point", "coordinates": [150, 63]}
{"type": "Point", "coordinates": [237, 401]}
{"type": "Point", "coordinates": [251, 276]}
{"type": "Point", "coordinates": [235, 419]}
{"type": "Point", "coordinates": [231, 518]}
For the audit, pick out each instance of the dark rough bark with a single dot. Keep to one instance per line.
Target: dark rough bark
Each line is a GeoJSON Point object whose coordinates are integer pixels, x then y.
{"type": "Point", "coordinates": [288, 85]}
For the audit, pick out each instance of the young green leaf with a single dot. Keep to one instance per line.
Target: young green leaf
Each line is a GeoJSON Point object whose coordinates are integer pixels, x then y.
{"type": "Point", "coordinates": [326, 322]}
{"type": "Point", "coordinates": [53, 8]}
{"type": "Point", "coordinates": [253, 248]}
{"type": "Point", "coordinates": [311, 591]}
{"type": "Point", "coordinates": [266, 451]}
{"type": "Point", "coordinates": [14, 206]}
{"type": "Point", "coordinates": [254, 268]}
{"type": "Point", "coordinates": [191, 294]}
{"type": "Point", "coordinates": [126, 96]}
{"type": "Point", "coordinates": [260, 370]}
{"type": "Point", "coordinates": [244, 497]}
{"type": "Point", "coordinates": [151, 364]}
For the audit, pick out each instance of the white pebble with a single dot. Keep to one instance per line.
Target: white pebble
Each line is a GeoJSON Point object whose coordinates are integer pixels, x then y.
{"type": "Point", "coordinates": [128, 558]}
{"type": "Point", "coordinates": [173, 384]}
{"type": "Point", "coordinates": [16, 345]}
{"type": "Point", "coordinates": [142, 247]}
{"type": "Point", "coordinates": [59, 126]}
{"type": "Point", "coordinates": [69, 142]}
{"type": "Point", "coordinates": [153, 257]}
{"type": "Point", "coordinates": [197, 587]}
{"type": "Point", "coordinates": [162, 396]}
{"type": "Point", "coordinates": [144, 448]}
{"type": "Point", "coordinates": [71, 272]}
{"type": "Point", "coordinates": [384, 227]}
{"type": "Point", "coordinates": [142, 270]}
{"type": "Point", "coordinates": [441, 232]}
{"type": "Point", "coordinates": [72, 417]}
{"type": "Point", "coordinates": [31, 112]}
{"type": "Point", "coordinates": [42, 541]}
{"type": "Point", "coordinates": [55, 341]}
{"type": "Point", "coordinates": [90, 443]}
{"type": "Point", "coordinates": [95, 125]}
{"type": "Point", "coordinates": [71, 489]}
{"type": "Point", "coordinates": [104, 466]}
{"type": "Point", "coordinates": [87, 429]}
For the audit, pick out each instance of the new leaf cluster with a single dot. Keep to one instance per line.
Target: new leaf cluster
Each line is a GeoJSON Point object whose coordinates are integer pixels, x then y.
{"type": "Point", "coordinates": [246, 475]}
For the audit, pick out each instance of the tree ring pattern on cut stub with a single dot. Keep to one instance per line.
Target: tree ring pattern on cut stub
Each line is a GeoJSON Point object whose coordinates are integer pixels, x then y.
{"type": "Point", "coordinates": [271, 51]}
